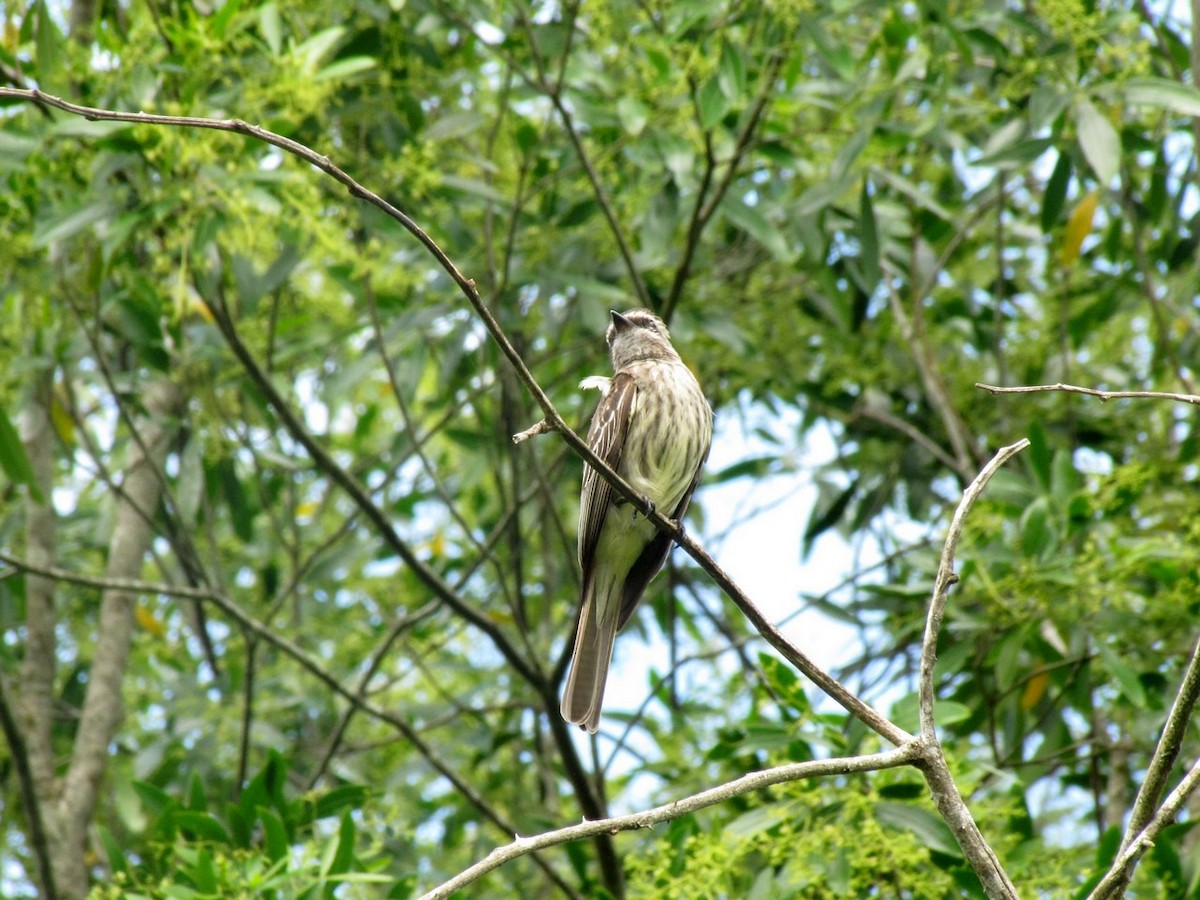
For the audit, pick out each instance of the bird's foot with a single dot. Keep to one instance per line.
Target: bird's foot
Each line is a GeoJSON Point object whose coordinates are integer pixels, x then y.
{"type": "Point", "coordinates": [648, 503]}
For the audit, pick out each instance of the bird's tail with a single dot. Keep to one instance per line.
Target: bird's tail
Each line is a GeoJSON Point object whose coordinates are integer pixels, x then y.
{"type": "Point", "coordinates": [584, 692]}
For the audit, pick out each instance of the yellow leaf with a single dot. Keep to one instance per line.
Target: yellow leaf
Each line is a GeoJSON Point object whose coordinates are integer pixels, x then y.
{"type": "Point", "coordinates": [1079, 226]}
{"type": "Point", "coordinates": [1035, 689]}
{"type": "Point", "coordinates": [200, 308]}
{"type": "Point", "coordinates": [437, 544]}
{"type": "Point", "coordinates": [306, 509]}
{"type": "Point", "coordinates": [146, 619]}
{"type": "Point", "coordinates": [64, 425]}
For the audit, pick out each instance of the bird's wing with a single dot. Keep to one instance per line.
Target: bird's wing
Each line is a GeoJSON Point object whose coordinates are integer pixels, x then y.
{"type": "Point", "coordinates": [652, 558]}
{"type": "Point", "coordinates": [606, 437]}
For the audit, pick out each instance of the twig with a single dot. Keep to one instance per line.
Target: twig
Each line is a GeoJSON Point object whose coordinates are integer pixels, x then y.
{"type": "Point", "coordinates": [946, 577]}
{"type": "Point", "coordinates": [376, 516]}
{"type": "Point", "coordinates": [1104, 396]}
{"type": "Point", "coordinates": [914, 434]}
{"type": "Point", "coordinates": [913, 329]}
{"type": "Point", "coordinates": [1123, 865]}
{"type": "Point", "coordinates": [755, 781]}
{"type": "Point", "coordinates": [933, 766]}
{"type": "Point", "coordinates": [554, 93]}
{"type": "Point", "coordinates": [532, 431]}
{"type": "Point", "coordinates": [1159, 770]}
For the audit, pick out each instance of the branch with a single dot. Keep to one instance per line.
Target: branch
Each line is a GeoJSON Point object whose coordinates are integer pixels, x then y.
{"type": "Point", "coordinates": [35, 693]}
{"type": "Point", "coordinates": [913, 330]}
{"type": "Point", "coordinates": [554, 93]}
{"type": "Point", "coordinates": [755, 781]}
{"type": "Point", "coordinates": [39, 843]}
{"type": "Point", "coordinates": [947, 577]}
{"type": "Point", "coordinates": [913, 433]}
{"type": "Point", "coordinates": [1104, 396]}
{"type": "Point", "coordinates": [933, 766]}
{"type": "Point", "coordinates": [383, 526]}
{"type": "Point", "coordinates": [102, 708]}
{"type": "Point", "coordinates": [1159, 770]}
{"type": "Point", "coordinates": [706, 206]}
{"type": "Point", "coordinates": [1122, 867]}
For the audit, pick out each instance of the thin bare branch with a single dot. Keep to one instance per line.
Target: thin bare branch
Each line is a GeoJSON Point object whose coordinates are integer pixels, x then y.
{"type": "Point", "coordinates": [1122, 868]}
{"type": "Point", "coordinates": [755, 781]}
{"type": "Point", "coordinates": [553, 91]}
{"type": "Point", "coordinates": [532, 431]}
{"type": "Point", "coordinates": [1104, 396]}
{"type": "Point", "coordinates": [947, 577]}
{"type": "Point", "coordinates": [950, 803]}
{"type": "Point", "coordinates": [1166, 752]}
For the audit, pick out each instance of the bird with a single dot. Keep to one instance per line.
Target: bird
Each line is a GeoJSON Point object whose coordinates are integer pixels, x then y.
{"type": "Point", "coordinates": [653, 425]}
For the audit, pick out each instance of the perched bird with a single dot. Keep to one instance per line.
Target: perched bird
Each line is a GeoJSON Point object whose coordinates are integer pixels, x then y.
{"type": "Point", "coordinates": [654, 427]}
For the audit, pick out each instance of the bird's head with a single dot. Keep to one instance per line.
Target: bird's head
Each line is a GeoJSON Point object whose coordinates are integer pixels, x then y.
{"type": "Point", "coordinates": [638, 334]}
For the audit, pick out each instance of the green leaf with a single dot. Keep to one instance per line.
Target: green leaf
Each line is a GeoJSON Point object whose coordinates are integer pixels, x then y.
{"type": "Point", "coordinates": [271, 27]}
{"type": "Point", "coordinates": [633, 114]}
{"type": "Point", "coordinates": [224, 14]}
{"type": "Point", "coordinates": [1056, 192]}
{"type": "Point", "coordinates": [1124, 674]}
{"type": "Point", "coordinates": [343, 855]}
{"type": "Point", "coordinates": [71, 223]}
{"type": "Point", "coordinates": [275, 836]}
{"type": "Point", "coordinates": [316, 48]}
{"type": "Point", "coordinates": [868, 239]}
{"type": "Point", "coordinates": [751, 220]}
{"type": "Point", "coordinates": [1099, 141]}
{"type": "Point", "coordinates": [13, 459]}
{"type": "Point", "coordinates": [202, 825]}
{"type": "Point", "coordinates": [114, 851]}
{"type": "Point", "coordinates": [731, 73]}
{"type": "Point", "coordinates": [344, 68]}
{"type": "Point", "coordinates": [1164, 93]}
{"type": "Point", "coordinates": [905, 712]}
{"type": "Point", "coordinates": [1037, 537]}
{"type": "Point", "coordinates": [712, 103]}
{"type": "Point", "coordinates": [49, 47]}
{"type": "Point", "coordinates": [339, 799]}
{"type": "Point", "coordinates": [1019, 154]}
{"type": "Point", "coordinates": [930, 830]}
{"type": "Point", "coordinates": [753, 467]}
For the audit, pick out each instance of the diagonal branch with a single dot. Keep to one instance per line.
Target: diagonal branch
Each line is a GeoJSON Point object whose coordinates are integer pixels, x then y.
{"type": "Point", "coordinates": [555, 95]}
{"type": "Point", "coordinates": [1166, 752]}
{"type": "Point", "coordinates": [39, 842]}
{"type": "Point", "coordinates": [754, 781]}
{"type": "Point", "coordinates": [369, 508]}
{"type": "Point", "coordinates": [1122, 868]}
{"type": "Point", "coordinates": [933, 765]}
{"type": "Point", "coordinates": [947, 577]}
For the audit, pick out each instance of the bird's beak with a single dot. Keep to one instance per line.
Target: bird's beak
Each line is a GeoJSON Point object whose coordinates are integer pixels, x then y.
{"type": "Point", "coordinates": [620, 321]}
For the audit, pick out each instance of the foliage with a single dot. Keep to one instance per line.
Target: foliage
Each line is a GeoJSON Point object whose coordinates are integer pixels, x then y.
{"type": "Point", "coordinates": [851, 211]}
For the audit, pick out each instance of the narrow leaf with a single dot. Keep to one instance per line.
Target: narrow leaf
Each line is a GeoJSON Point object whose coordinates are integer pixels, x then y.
{"type": "Point", "coordinates": [868, 239]}
{"type": "Point", "coordinates": [1172, 95]}
{"type": "Point", "coordinates": [712, 104]}
{"type": "Point", "coordinates": [1056, 192]}
{"type": "Point", "coordinates": [13, 459]}
{"type": "Point", "coordinates": [1099, 141]}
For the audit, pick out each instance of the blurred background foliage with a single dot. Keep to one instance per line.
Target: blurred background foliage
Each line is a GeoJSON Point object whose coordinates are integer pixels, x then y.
{"type": "Point", "coordinates": [850, 211]}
